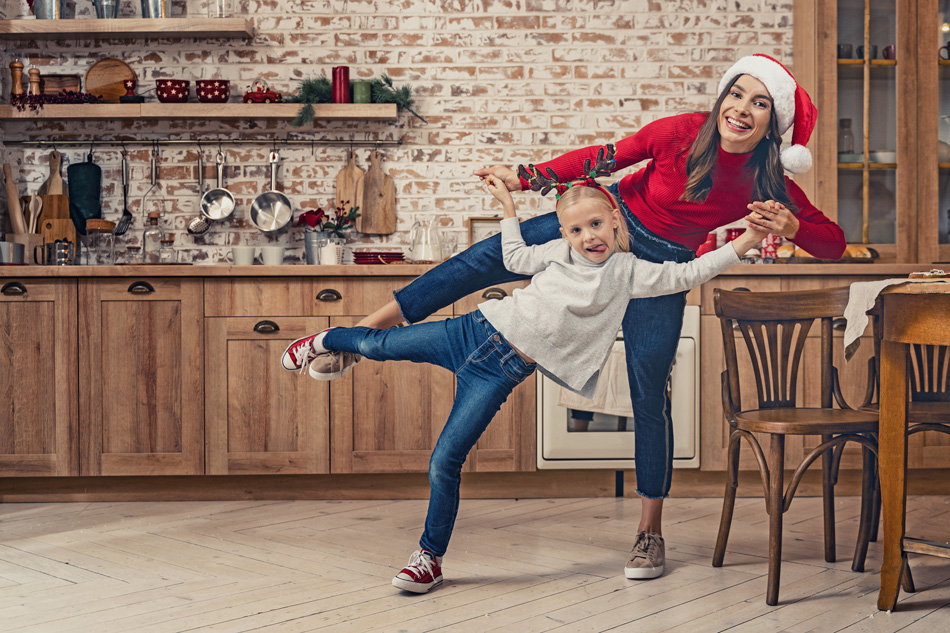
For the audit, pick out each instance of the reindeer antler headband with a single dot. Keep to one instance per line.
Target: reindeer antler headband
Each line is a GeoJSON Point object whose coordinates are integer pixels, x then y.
{"type": "Point", "coordinates": [545, 183]}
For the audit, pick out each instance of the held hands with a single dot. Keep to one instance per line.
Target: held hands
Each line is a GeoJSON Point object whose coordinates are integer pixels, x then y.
{"type": "Point", "coordinates": [497, 188]}
{"type": "Point", "coordinates": [751, 238]}
{"type": "Point", "coordinates": [773, 217]}
{"type": "Point", "coordinates": [505, 174]}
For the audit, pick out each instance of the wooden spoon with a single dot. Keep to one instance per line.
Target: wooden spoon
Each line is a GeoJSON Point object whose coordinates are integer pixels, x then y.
{"type": "Point", "coordinates": [35, 208]}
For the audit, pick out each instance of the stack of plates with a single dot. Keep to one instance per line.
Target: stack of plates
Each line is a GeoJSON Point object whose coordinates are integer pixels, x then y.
{"type": "Point", "coordinates": [377, 257]}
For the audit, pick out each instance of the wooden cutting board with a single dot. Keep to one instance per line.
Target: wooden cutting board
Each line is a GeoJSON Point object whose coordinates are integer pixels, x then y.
{"type": "Point", "coordinates": [53, 230]}
{"type": "Point", "coordinates": [378, 207]}
{"type": "Point", "coordinates": [55, 207]}
{"type": "Point", "coordinates": [105, 79]}
{"type": "Point", "coordinates": [348, 184]}
{"type": "Point", "coordinates": [54, 183]}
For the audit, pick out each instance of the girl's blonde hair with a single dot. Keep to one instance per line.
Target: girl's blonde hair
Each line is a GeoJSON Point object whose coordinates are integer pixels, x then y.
{"type": "Point", "coordinates": [582, 192]}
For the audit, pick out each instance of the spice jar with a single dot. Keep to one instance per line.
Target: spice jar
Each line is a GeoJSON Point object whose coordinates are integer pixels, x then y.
{"type": "Point", "coordinates": [167, 254]}
{"type": "Point", "coordinates": [98, 244]}
{"type": "Point", "coordinates": [152, 239]}
{"type": "Point", "coordinates": [133, 254]}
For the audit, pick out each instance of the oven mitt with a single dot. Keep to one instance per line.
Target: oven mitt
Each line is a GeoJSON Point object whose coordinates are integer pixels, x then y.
{"type": "Point", "coordinates": [85, 191]}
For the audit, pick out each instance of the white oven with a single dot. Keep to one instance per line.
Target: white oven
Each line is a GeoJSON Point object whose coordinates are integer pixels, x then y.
{"type": "Point", "coordinates": [608, 440]}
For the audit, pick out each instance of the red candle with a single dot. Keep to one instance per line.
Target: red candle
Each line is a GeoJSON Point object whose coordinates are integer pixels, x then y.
{"type": "Point", "coordinates": [341, 84]}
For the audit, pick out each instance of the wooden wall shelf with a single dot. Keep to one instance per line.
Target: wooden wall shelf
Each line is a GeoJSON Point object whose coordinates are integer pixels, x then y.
{"type": "Point", "coordinates": [209, 111]}
{"type": "Point", "coordinates": [126, 28]}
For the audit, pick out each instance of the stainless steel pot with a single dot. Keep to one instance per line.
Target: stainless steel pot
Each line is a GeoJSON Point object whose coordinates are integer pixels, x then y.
{"type": "Point", "coordinates": [218, 203]}
{"type": "Point", "coordinates": [271, 211]}
{"type": "Point", "coordinates": [11, 253]}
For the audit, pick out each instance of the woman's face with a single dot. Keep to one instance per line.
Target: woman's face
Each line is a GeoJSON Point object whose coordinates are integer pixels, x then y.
{"type": "Point", "coordinates": [745, 117]}
{"type": "Point", "coordinates": [588, 225]}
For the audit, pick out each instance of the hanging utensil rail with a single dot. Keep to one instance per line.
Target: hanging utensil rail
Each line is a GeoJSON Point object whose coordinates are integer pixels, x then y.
{"type": "Point", "coordinates": [224, 141]}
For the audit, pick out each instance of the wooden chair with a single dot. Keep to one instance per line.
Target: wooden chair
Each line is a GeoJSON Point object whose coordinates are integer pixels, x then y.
{"type": "Point", "coordinates": [774, 326]}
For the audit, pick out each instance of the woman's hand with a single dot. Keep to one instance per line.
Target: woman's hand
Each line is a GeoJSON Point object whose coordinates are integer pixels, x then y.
{"type": "Point", "coordinates": [773, 217]}
{"type": "Point", "coordinates": [506, 174]}
{"type": "Point", "coordinates": [498, 189]}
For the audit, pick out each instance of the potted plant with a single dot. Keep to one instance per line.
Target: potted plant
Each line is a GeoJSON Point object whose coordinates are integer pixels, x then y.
{"type": "Point", "coordinates": [320, 227]}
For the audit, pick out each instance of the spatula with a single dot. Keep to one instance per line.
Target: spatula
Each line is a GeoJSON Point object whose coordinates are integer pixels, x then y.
{"type": "Point", "coordinates": [123, 224]}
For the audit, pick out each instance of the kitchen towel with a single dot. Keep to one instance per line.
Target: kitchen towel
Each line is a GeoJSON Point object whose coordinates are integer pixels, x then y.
{"type": "Point", "coordinates": [860, 300]}
{"type": "Point", "coordinates": [85, 192]}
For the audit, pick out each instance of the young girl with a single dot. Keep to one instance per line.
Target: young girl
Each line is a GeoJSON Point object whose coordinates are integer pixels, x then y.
{"type": "Point", "coordinates": [564, 323]}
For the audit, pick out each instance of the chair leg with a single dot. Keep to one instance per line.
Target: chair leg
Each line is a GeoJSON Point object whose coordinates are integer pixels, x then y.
{"type": "Point", "coordinates": [775, 506]}
{"type": "Point", "coordinates": [729, 498]}
{"type": "Point", "coordinates": [869, 473]}
{"type": "Point", "coordinates": [907, 579]}
{"type": "Point", "coordinates": [828, 500]}
{"type": "Point", "coordinates": [876, 515]}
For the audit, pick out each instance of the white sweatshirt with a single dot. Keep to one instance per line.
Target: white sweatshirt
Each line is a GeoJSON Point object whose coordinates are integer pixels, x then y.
{"type": "Point", "coordinates": [568, 317]}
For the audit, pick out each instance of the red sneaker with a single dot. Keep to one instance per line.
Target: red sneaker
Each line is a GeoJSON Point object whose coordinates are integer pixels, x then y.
{"type": "Point", "coordinates": [301, 352]}
{"type": "Point", "coordinates": [422, 574]}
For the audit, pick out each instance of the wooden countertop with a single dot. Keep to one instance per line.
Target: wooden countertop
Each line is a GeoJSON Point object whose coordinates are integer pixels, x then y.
{"type": "Point", "coordinates": [413, 270]}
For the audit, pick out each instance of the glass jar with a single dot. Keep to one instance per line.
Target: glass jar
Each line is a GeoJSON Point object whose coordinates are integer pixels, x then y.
{"type": "Point", "coordinates": [133, 255]}
{"type": "Point", "coordinates": [845, 137]}
{"type": "Point", "coordinates": [152, 239]}
{"type": "Point", "coordinates": [167, 254]}
{"type": "Point", "coordinates": [98, 244]}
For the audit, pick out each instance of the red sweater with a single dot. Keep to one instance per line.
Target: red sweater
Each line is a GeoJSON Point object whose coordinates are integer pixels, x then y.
{"type": "Point", "coordinates": [653, 193]}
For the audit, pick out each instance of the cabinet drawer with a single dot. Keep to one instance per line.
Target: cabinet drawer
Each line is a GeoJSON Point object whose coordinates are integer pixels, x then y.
{"type": "Point", "coordinates": [316, 296]}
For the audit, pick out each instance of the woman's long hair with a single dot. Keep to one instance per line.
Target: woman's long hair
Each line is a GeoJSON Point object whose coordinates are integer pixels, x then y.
{"type": "Point", "coordinates": [583, 192]}
{"type": "Point", "coordinates": [768, 177]}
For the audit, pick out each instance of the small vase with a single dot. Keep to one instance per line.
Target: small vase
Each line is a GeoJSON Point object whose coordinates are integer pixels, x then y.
{"type": "Point", "coordinates": [313, 241]}
{"type": "Point", "coordinates": [332, 252]}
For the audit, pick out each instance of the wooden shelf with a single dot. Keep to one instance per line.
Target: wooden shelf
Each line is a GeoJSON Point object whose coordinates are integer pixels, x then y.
{"type": "Point", "coordinates": [126, 28]}
{"type": "Point", "coordinates": [208, 111]}
{"type": "Point", "coordinates": [860, 166]}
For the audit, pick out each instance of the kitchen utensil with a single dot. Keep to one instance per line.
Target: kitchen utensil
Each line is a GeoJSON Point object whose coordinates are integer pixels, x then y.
{"type": "Point", "coordinates": [425, 241]}
{"type": "Point", "coordinates": [107, 8]}
{"type": "Point", "coordinates": [54, 182]}
{"type": "Point", "coordinates": [98, 244]}
{"type": "Point", "coordinates": [13, 202]}
{"type": "Point", "coordinates": [378, 205]}
{"type": "Point", "coordinates": [56, 253]}
{"type": "Point", "coordinates": [54, 83]}
{"type": "Point", "coordinates": [126, 220]}
{"type": "Point", "coordinates": [218, 203]}
{"type": "Point", "coordinates": [105, 79]}
{"type": "Point", "coordinates": [153, 174]}
{"type": "Point", "coordinates": [213, 90]}
{"type": "Point", "coordinates": [51, 10]}
{"type": "Point", "coordinates": [62, 229]}
{"type": "Point", "coordinates": [36, 205]}
{"type": "Point", "coordinates": [272, 210]}
{"type": "Point", "coordinates": [243, 255]}
{"type": "Point", "coordinates": [156, 8]}
{"type": "Point", "coordinates": [11, 253]}
{"type": "Point", "coordinates": [198, 224]}
{"type": "Point", "coordinates": [172, 90]}
{"type": "Point", "coordinates": [55, 207]}
{"type": "Point", "coordinates": [85, 192]}
{"type": "Point", "coordinates": [348, 182]}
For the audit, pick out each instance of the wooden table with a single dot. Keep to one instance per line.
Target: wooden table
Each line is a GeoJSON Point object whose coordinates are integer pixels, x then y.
{"type": "Point", "coordinates": [912, 313]}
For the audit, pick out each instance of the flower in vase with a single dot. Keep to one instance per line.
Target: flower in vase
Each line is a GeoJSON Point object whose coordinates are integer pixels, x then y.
{"type": "Point", "coordinates": [312, 220]}
{"type": "Point", "coordinates": [342, 219]}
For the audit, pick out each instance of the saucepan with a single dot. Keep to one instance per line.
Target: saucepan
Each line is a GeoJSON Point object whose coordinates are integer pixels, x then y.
{"type": "Point", "coordinates": [271, 211]}
{"type": "Point", "coordinates": [218, 203]}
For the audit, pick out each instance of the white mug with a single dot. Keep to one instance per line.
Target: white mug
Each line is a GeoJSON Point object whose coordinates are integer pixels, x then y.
{"type": "Point", "coordinates": [272, 255]}
{"type": "Point", "coordinates": [242, 255]}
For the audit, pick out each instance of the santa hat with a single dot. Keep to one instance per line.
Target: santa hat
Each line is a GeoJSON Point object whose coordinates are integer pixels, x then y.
{"type": "Point", "coordinates": [792, 105]}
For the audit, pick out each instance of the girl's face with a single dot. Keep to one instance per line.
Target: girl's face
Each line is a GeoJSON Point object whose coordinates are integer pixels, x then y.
{"type": "Point", "coordinates": [745, 116]}
{"type": "Point", "coordinates": [588, 225]}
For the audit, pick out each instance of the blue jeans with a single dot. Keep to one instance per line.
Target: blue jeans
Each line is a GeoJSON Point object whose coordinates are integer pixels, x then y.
{"type": "Point", "coordinates": [651, 329]}
{"type": "Point", "coordinates": [486, 369]}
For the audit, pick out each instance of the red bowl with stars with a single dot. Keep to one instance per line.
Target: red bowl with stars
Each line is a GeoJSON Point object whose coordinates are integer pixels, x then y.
{"type": "Point", "coordinates": [213, 90]}
{"type": "Point", "coordinates": [171, 90]}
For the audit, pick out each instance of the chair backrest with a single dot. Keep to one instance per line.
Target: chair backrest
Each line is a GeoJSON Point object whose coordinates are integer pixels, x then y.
{"type": "Point", "coordinates": [774, 326]}
{"type": "Point", "coordinates": [928, 369]}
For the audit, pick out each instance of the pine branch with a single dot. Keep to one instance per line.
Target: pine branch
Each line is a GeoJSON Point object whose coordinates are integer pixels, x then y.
{"type": "Point", "coordinates": [384, 92]}
{"type": "Point", "coordinates": [318, 90]}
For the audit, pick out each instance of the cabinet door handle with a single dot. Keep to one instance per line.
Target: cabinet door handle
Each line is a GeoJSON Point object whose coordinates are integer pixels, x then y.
{"type": "Point", "coordinates": [839, 324]}
{"type": "Point", "coordinates": [266, 327]}
{"type": "Point", "coordinates": [329, 294]}
{"type": "Point", "coordinates": [141, 288]}
{"type": "Point", "coordinates": [13, 289]}
{"type": "Point", "coordinates": [741, 289]}
{"type": "Point", "coordinates": [494, 293]}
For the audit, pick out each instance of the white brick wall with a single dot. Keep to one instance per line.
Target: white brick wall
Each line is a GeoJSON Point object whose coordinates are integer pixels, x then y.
{"type": "Point", "coordinates": [500, 81]}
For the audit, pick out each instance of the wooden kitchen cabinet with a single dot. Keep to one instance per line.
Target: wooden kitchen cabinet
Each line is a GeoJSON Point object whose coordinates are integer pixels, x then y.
{"type": "Point", "coordinates": [141, 379]}
{"type": "Point", "coordinates": [260, 418]}
{"type": "Point", "coordinates": [38, 387]}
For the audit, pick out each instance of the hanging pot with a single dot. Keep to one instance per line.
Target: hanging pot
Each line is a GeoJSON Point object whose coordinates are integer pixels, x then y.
{"type": "Point", "coordinates": [271, 211]}
{"type": "Point", "coordinates": [218, 203]}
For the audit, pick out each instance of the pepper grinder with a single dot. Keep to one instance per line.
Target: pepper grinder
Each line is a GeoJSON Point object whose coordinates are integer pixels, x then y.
{"type": "Point", "coordinates": [16, 69]}
{"type": "Point", "coordinates": [34, 80]}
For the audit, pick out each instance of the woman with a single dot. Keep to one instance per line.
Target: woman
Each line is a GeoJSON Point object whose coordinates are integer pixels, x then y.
{"type": "Point", "coordinates": [706, 170]}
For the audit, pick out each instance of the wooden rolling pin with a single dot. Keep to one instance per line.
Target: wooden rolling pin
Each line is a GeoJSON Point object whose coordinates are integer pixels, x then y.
{"type": "Point", "coordinates": [17, 224]}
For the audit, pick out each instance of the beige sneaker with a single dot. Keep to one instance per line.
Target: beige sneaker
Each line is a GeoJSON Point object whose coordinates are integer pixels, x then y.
{"type": "Point", "coordinates": [332, 365]}
{"type": "Point", "coordinates": [647, 558]}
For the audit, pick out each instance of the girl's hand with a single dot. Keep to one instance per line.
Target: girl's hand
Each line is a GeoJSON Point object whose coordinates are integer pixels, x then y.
{"type": "Point", "coordinates": [773, 217]}
{"type": "Point", "coordinates": [505, 174]}
{"type": "Point", "coordinates": [498, 189]}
